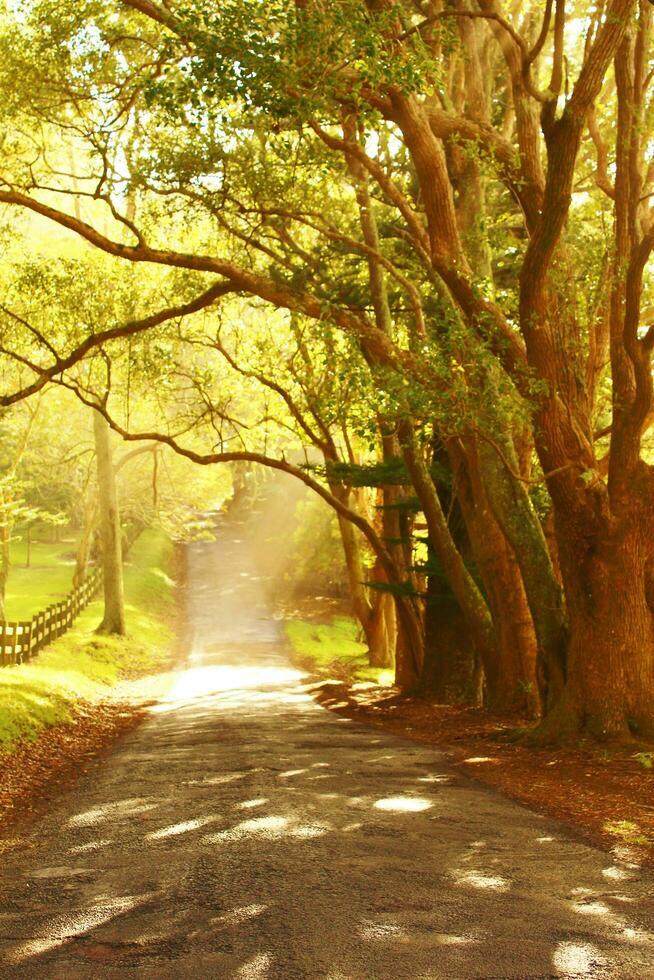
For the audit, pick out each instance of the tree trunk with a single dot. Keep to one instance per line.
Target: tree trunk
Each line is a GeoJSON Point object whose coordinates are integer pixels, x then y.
{"type": "Point", "coordinates": [610, 687]}
{"type": "Point", "coordinates": [410, 633]}
{"type": "Point", "coordinates": [514, 512]}
{"type": "Point", "coordinates": [381, 631]}
{"type": "Point", "coordinates": [369, 610]}
{"type": "Point", "coordinates": [5, 564]}
{"type": "Point", "coordinates": [511, 687]}
{"type": "Point", "coordinates": [85, 543]}
{"type": "Point", "coordinates": [467, 593]}
{"type": "Point", "coordinates": [450, 666]}
{"type": "Point", "coordinates": [112, 559]}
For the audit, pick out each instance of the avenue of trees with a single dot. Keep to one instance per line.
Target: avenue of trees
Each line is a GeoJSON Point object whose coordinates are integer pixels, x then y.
{"type": "Point", "coordinates": [398, 249]}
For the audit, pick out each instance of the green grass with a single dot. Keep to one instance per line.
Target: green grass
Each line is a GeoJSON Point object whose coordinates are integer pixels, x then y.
{"type": "Point", "coordinates": [82, 665]}
{"type": "Point", "coordinates": [48, 579]}
{"type": "Point", "coordinates": [334, 648]}
{"type": "Point", "coordinates": [629, 831]}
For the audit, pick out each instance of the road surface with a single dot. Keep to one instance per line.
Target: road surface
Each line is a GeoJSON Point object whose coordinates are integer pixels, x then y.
{"type": "Point", "coordinates": [244, 832]}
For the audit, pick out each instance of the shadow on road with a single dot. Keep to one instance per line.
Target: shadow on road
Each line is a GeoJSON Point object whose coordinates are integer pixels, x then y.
{"type": "Point", "coordinates": [244, 832]}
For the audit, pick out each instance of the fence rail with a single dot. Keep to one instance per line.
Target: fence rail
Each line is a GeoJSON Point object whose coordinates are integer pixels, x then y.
{"type": "Point", "coordinates": [19, 642]}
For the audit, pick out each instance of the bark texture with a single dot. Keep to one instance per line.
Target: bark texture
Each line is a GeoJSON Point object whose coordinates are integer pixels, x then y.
{"type": "Point", "coordinates": [113, 620]}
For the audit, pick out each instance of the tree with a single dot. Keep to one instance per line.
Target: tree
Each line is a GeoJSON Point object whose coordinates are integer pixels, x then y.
{"type": "Point", "coordinates": [113, 620]}
{"type": "Point", "coordinates": [477, 134]}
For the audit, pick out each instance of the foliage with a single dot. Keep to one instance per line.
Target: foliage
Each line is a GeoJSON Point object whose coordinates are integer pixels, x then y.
{"type": "Point", "coordinates": [427, 233]}
{"type": "Point", "coordinates": [316, 557]}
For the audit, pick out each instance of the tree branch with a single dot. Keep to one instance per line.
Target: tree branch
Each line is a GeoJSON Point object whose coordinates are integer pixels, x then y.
{"type": "Point", "coordinates": [96, 340]}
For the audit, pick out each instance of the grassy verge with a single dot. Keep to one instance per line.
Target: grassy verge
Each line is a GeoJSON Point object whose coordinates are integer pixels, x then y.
{"type": "Point", "coordinates": [48, 579]}
{"type": "Point", "coordinates": [82, 666]}
{"type": "Point", "coordinates": [333, 649]}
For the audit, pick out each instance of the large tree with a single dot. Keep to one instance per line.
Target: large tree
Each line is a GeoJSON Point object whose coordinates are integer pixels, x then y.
{"type": "Point", "coordinates": [494, 319]}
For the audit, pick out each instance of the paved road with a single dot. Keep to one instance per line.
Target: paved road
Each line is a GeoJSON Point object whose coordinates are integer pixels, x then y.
{"type": "Point", "coordinates": [244, 832]}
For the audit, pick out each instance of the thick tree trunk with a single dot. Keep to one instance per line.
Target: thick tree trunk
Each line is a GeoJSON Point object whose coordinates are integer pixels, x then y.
{"type": "Point", "coordinates": [515, 689]}
{"type": "Point", "coordinates": [465, 589]}
{"type": "Point", "coordinates": [409, 650]}
{"type": "Point", "coordinates": [410, 632]}
{"type": "Point", "coordinates": [610, 687]}
{"type": "Point", "coordinates": [511, 686]}
{"type": "Point", "coordinates": [451, 665]}
{"type": "Point", "coordinates": [514, 512]}
{"type": "Point", "coordinates": [370, 608]}
{"type": "Point", "coordinates": [113, 620]}
{"type": "Point", "coordinates": [382, 633]}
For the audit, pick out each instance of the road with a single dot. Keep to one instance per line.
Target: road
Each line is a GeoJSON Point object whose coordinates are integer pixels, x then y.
{"type": "Point", "coordinates": [244, 832]}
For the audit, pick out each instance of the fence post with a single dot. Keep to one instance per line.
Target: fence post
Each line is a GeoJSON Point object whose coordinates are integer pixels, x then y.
{"type": "Point", "coordinates": [27, 640]}
{"type": "Point", "coordinates": [23, 630]}
{"type": "Point", "coordinates": [47, 626]}
{"type": "Point", "coordinates": [11, 629]}
{"type": "Point", "coordinates": [19, 642]}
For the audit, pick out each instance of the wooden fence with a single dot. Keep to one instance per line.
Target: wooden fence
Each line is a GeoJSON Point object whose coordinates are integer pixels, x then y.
{"type": "Point", "coordinates": [19, 642]}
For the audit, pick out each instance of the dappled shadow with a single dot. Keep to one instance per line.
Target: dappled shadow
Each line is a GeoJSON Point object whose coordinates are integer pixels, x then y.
{"type": "Point", "coordinates": [243, 832]}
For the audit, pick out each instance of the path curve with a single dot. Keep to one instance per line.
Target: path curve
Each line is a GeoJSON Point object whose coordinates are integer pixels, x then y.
{"type": "Point", "coordinates": [244, 832]}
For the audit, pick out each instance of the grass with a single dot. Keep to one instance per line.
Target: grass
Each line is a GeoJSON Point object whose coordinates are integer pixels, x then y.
{"type": "Point", "coordinates": [628, 831]}
{"type": "Point", "coordinates": [48, 579]}
{"type": "Point", "coordinates": [334, 648]}
{"type": "Point", "coordinates": [81, 665]}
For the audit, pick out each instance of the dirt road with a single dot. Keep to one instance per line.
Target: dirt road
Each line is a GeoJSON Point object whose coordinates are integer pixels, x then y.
{"type": "Point", "coordinates": [244, 832]}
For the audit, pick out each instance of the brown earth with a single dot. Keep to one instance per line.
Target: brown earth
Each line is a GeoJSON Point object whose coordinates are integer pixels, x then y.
{"type": "Point", "coordinates": [34, 774]}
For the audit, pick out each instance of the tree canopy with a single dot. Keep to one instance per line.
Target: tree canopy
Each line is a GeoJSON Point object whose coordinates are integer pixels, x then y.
{"type": "Point", "coordinates": [398, 249]}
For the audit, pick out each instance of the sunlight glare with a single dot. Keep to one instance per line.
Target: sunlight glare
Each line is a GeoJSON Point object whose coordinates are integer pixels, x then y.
{"type": "Point", "coordinates": [67, 927]}
{"type": "Point", "coordinates": [309, 831]}
{"type": "Point", "coordinates": [269, 827]}
{"type": "Point", "coordinates": [616, 874]}
{"type": "Point", "coordinates": [241, 914]}
{"type": "Point", "coordinates": [179, 828]}
{"type": "Point", "coordinates": [577, 959]}
{"type": "Point", "coordinates": [447, 939]}
{"type": "Point", "coordinates": [256, 968]}
{"type": "Point", "coordinates": [126, 808]}
{"type": "Point", "coordinates": [478, 879]}
{"type": "Point", "coordinates": [381, 930]}
{"type": "Point", "coordinates": [201, 682]}
{"type": "Point", "coordinates": [403, 804]}
{"type": "Point", "coordinates": [593, 908]}
{"type": "Point", "coordinates": [93, 845]}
